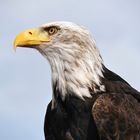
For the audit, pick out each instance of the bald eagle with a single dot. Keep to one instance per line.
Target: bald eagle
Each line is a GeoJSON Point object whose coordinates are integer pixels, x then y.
{"type": "Point", "coordinates": [89, 101]}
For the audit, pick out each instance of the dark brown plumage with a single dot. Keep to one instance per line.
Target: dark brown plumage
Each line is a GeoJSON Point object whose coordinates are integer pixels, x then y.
{"type": "Point", "coordinates": [115, 114]}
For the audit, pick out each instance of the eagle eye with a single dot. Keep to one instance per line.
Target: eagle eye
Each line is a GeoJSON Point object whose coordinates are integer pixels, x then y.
{"type": "Point", "coordinates": [52, 30]}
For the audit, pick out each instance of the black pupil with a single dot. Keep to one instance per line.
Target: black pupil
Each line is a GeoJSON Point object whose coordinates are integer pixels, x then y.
{"type": "Point", "coordinates": [51, 30]}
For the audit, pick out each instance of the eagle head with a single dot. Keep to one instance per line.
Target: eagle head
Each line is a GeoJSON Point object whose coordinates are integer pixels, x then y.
{"type": "Point", "coordinates": [75, 61]}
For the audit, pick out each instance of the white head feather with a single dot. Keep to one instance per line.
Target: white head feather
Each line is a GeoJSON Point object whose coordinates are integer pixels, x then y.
{"type": "Point", "coordinates": [75, 61]}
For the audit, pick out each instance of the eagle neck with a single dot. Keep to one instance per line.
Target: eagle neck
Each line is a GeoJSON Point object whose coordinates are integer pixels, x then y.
{"type": "Point", "coordinates": [75, 78]}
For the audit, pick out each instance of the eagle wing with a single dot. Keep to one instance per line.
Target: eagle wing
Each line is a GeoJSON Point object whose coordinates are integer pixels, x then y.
{"type": "Point", "coordinates": [117, 116]}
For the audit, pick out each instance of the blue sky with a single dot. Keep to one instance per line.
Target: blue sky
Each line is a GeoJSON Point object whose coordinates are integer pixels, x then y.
{"type": "Point", "coordinates": [25, 76]}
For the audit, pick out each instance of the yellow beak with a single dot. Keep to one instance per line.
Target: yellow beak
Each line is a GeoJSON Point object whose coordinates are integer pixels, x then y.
{"type": "Point", "coordinates": [31, 38]}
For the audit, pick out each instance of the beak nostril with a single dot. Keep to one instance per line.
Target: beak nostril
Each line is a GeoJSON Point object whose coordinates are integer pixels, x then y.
{"type": "Point", "coordinates": [30, 33]}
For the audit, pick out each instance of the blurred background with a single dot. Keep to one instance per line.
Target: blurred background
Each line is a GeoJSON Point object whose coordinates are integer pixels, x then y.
{"type": "Point", "coordinates": [25, 76]}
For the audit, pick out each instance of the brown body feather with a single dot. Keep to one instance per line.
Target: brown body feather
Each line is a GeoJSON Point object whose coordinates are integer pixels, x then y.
{"type": "Point", "coordinates": [117, 111]}
{"type": "Point", "coordinates": [110, 115]}
{"type": "Point", "coordinates": [117, 116]}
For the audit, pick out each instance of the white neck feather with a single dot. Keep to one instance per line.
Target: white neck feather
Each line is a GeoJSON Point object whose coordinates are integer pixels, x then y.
{"type": "Point", "coordinates": [76, 73]}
